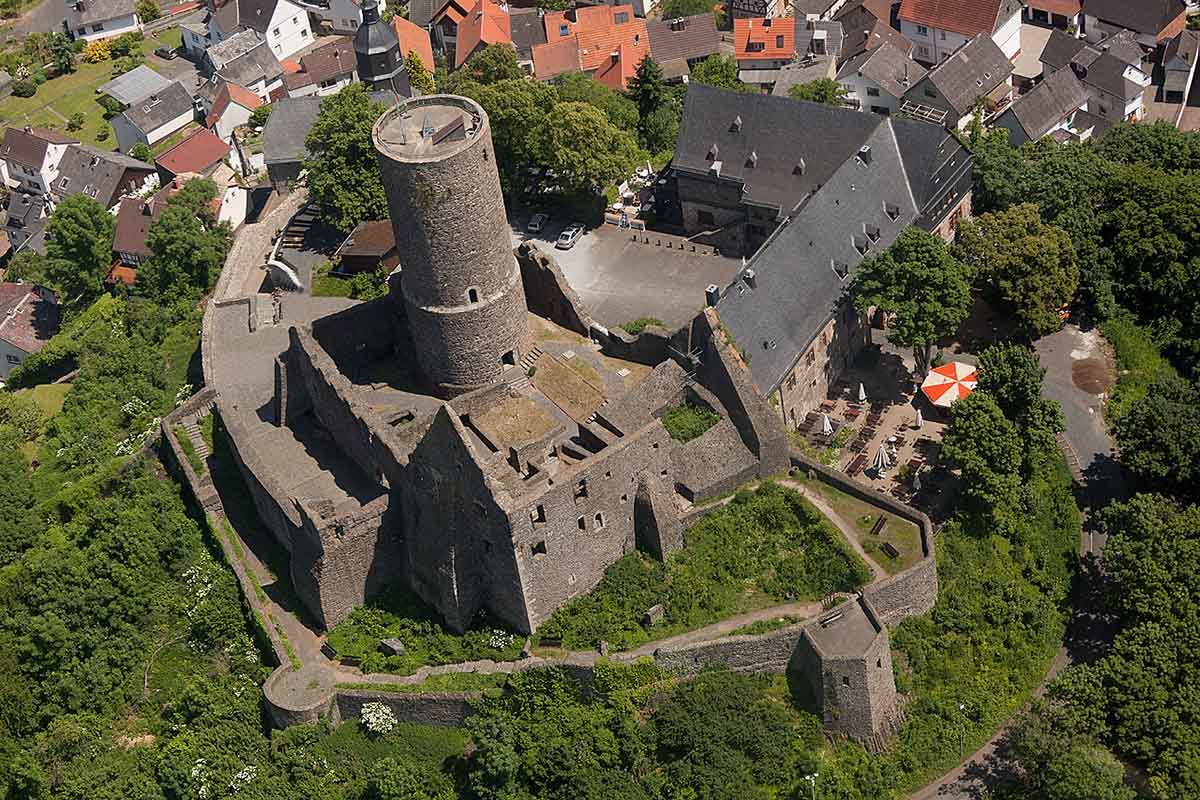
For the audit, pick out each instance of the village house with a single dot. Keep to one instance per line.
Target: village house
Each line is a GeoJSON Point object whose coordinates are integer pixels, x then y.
{"type": "Point", "coordinates": [102, 175]}
{"type": "Point", "coordinates": [371, 246]}
{"type": "Point", "coordinates": [1179, 65]}
{"type": "Point", "coordinates": [1055, 107]}
{"type": "Point", "coordinates": [25, 224]}
{"type": "Point", "coordinates": [282, 24]}
{"type": "Point", "coordinates": [1112, 72]}
{"type": "Point", "coordinates": [32, 156]}
{"type": "Point", "coordinates": [336, 16]}
{"type": "Point", "coordinates": [231, 109]}
{"type": "Point", "coordinates": [938, 28]}
{"type": "Point", "coordinates": [1065, 15]}
{"type": "Point", "coordinates": [89, 20]}
{"type": "Point", "coordinates": [29, 318]}
{"type": "Point", "coordinates": [877, 80]}
{"type": "Point", "coordinates": [324, 70]}
{"type": "Point", "coordinates": [461, 28]}
{"type": "Point", "coordinates": [678, 45]}
{"type": "Point", "coordinates": [1150, 21]}
{"type": "Point", "coordinates": [200, 154]}
{"type": "Point", "coordinates": [415, 39]}
{"type": "Point", "coordinates": [606, 42]}
{"type": "Point", "coordinates": [866, 24]}
{"type": "Point", "coordinates": [977, 75]}
{"type": "Point", "coordinates": [152, 118]}
{"type": "Point", "coordinates": [525, 26]}
{"type": "Point", "coordinates": [244, 59]}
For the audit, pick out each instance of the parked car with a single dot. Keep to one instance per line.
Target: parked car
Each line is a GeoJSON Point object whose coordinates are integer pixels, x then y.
{"type": "Point", "coordinates": [537, 223]}
{"type": "Point", "coordinates": [166, 52]}
{"type": "Point", "coordinates": [569, 236]}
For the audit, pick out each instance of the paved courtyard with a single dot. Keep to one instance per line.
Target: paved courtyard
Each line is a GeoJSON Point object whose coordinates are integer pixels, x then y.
{"type": "Point", "coordinates": [621, 279]}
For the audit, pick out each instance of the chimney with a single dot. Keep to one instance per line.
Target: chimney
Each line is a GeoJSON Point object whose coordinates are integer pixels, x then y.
{"type": "Point", "coordinates": [712, 294]}
{"type": "Point", "coordinates": [713, 151]}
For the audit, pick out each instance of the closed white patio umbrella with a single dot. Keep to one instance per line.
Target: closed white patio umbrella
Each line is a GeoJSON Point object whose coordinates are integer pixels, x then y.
{"type": "Point", "coordinates": [883, 461]}
{"type": "Point", "coordinates": [862, 393]}
{"type": "Point", "coordinates": [826, 425]}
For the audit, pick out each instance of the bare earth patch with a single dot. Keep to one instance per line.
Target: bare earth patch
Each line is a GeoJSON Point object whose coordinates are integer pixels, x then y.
{"type": "Point", "coordinates": [514, 422]}
{"type": "Point", "coordinates": [567, 388]}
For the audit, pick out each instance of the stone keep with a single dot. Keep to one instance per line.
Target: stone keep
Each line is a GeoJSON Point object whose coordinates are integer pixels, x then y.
{"type": "Point", "coordinates": [459, 280]}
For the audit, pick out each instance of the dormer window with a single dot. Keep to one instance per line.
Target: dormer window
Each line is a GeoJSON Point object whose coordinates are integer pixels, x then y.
{"type": "Point", "coordinates": [872, 232]}
{"type": "Point", "coordinates": [841, 268]}
{"type": "Point", "coordinates": [799, 168]}
{"type": "Point", "coordinates": [736, 125]}
{"type": "Point", "coordinates": [713, 152]}
{"type": "Point", "coordinates": [752, 159]}
{"type": "Point", "coordinates": [621, 17]}
{"type": "Point", "coordinates": [861, 243]}
{"type": "Point", "coordinates": [892, 210]}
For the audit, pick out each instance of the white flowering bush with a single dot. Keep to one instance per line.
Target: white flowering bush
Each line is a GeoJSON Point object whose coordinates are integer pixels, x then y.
{"type": "Point", "coordinates": [378, 719]}
{"type": "Point", "coordinates": [501, 639]}
{"type": "Point", "coordinates": [183, 394]}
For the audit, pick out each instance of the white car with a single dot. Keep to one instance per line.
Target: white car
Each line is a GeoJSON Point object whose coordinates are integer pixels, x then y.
{"type": "Point", "coordinates": [537, 223]}
{"type": "Point", "coordinates": [569, 236]}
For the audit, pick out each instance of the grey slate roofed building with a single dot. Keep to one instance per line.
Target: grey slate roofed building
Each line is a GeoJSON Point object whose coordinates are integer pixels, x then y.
{"type": "Point", "coordinates": [688, 39]}
{"type": "Point", "coordinates": [905, 172]}
{"type": "Point", "coordinates": [232, 48]}
{"type": "Point", "coordinates": [102, 175]}
{"type": "Point", "coordinates": [247, 61]}
{"type": "Point", "coordinates": [803, 72]}
{"type": "Point", "coordinates": [527, 30]}
{"type": "Point", "coordinates": [778, 133]}
{"type": "Point", "coordinates": [888, 66]}
{"type": "Point", "coordinates": [90, 12]}
{"type": "Point", "coordinates": [1179, 64]}
{"type": "Point", "coordinates": [1064, 50]}
{"type": "Point", "coordinates": [818, 38]}
{"type": "Point", "coordinates": [1141, 16]}
{"type": "Point", "coordinates": [977, 68]}
{"type": "Point", "coordinates": [1044, 108]}
{"type": "Point", "coordinates": [283, 135]}
{"type": "Point", "coordinates": [150, 112]}
{"type": "Point", "coordinates": [863, 30]}
{"type": "Point", "coordinates": [256, 14]}
{"type": "Point", "coordinates": [139, 82]}
{"type": "Point", "coordinates": [420, 12]}
{"type": "Point", "coordinates": [1108, 73]}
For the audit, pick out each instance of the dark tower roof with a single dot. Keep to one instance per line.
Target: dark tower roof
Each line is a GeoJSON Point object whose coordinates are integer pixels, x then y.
{"type": "Point", "coordinates": [377, 51]}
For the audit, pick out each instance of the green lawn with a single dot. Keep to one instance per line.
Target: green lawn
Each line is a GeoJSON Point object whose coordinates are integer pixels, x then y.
{"type": "Point", "coordinates": [49, 397]}
{"type": "Point", "coordinates": [57, 99]}
{"type": "Point", "coordinates": [900, 533]}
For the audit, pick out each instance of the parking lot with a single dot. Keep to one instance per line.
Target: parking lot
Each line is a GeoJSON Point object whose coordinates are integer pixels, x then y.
{"type": "Point", "coordinates": [621, 279]}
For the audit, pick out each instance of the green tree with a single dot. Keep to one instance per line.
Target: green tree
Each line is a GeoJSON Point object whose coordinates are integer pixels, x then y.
{"type": "Point", "coordinates": [147, 10]}
{"type": "Point", "coordinates": [511, 105]}
{"type": "Point", "coordinates": [647, 87]}
{"type": "Point", "coordinates": [586, 151]}
{"type": "Point", "coordinates": [343, 170]}
{"type": "Point", "coordinates": [259, 116]}
{"type": "Point", "coordinates": [674, 9]}
{"type": "Point", "coordinates": [391, 779]}
{"type": "Point", "coordinates": [419, 77]}
{"type": "Point", "coordinates": [822, 90]}
{"type": "Point", "coordinates": [496, 62]}
{"type": "Point", "coordinates": [918, 280]}
{"type": "Point", "coordinates": [659, 130]}
{"type": "Point", "coordinates": [62, 55]}
{"type": "Point", "coordinates": [1059, 763]}
{"type": "Point", "coordinates": [985, 446]}
{"type": "Point", "coordinates": [76, 120]}
{"type": "Point", "coordinates": [1031, 265]}
{"type": "Point", "coordinates": [1159, 437]}
{"type": "Point", "coordinates": [142, 152]}
{"type": "Point", "coordinates": [577, 87]}
{"type": "Point", "coordinates": [1012, 375]}
{"type": "Point", "coordinates": [17, 525]}
{"type": "Point", "coordinates": [720, 71]}
{"type": "Point", "coordinates": [189, 245]}
{"type": "Point", "coordinates": [79, 247]}
{"type": "Point", "coordinates": [28, 266]}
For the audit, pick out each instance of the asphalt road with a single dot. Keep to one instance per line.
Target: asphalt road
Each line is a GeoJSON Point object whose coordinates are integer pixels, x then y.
{"type": "Point", "coordinates": [46, 16]}
{"type": "Point", "coordinates": [1078, 377]}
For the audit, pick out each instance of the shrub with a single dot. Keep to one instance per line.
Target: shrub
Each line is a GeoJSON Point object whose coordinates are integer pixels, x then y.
{"type": "Point", "coordinates": [126, 44]}
{"type": "Point", "coordinates": [687, 421]}
{"type": "Point", "coordinates": [640, 324]}
{"type": "Point", "coordinates": [141, 151]}
{"type": "Point", "coordinates": [259, 116]}
{"type": "Point", "coordinates": [97, 51]}
{"type": "Point", "coordinates": [104, 132]}
{"type": "Point", "coordinates": [76, 121]}
{"type": "Point", "coordinates": [24, 88]}
{"type": "Point", "coordinates": [147, 10]}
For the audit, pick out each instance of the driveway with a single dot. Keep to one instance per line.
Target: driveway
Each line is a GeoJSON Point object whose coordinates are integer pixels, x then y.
{"type": "Point", "coordinates": [1033, 42]}
{"type": "Point", "coordinates": [620, 279]}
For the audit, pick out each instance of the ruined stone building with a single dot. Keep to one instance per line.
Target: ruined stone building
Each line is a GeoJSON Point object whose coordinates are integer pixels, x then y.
{"type": "Point", "coordinates": [486, 458]}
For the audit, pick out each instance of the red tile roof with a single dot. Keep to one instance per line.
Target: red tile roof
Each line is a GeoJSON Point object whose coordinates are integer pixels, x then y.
{"type": "Point", "coordinates": [968, 17]}
{"type": "Point", "coordinates": [1066, 8]}
{"type": "Point", "coordinates": [414, 38]}
{"type": "Point", "coordinates": [595, 43]}
{"type": "Point", "coordinates": [231, 93]}
{"type": "Point", "coordinates": [764, 39]}
{"type": "Point", "coordinates": [197, 153]}
{"type": "Point", "coordinates": [486, 23]}
{"type": "Point", "coordinates": [120, 273]}
{"type": "Point", "coordinates": [29, 316]}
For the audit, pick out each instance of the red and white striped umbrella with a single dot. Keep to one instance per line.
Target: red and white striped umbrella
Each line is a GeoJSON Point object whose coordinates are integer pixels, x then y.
{"type": "Point", "coordinates": [949, 382]}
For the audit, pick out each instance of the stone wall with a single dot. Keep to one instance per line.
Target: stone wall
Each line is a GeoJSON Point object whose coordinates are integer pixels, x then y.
{"type": "Point", "coordinates": [831, 352]}
{"type": "Point", "coordinates": [283, 710]}
{"type": "Point", "coordinates": [445, 709]}
{"type": "Point", "coordinates": [905, 594]}
{"type": "Point", "coordinates": [198, 405]}
{"type": "Point", "coordinates": [548, 293]}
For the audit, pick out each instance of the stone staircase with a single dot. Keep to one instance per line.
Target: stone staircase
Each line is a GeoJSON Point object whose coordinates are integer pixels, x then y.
{"type": "Point", "coordinates": [522, 372]}
{"type": "Point", "coordinates": [192, 428]}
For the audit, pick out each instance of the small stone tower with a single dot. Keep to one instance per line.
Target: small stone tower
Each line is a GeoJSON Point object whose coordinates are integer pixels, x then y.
{"type": "Point", "coordinates": [459, 280]}
{"type": "Point", "coordinates": [377, 53]}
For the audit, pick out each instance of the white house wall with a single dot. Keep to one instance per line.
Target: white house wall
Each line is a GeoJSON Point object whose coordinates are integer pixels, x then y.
{"type": "Point", "coordinates": [289, 31]}
{"type": "Point", "coordinates": [109, 28]}
{"type": "Point", "coordinates": [165, 130]}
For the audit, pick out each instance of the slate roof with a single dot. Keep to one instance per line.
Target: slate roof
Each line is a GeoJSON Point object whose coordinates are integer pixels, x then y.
{"type": "Point", "coordinates": [29, 317]}
{"type": "Point", "coordinates": [226, 16]}
{"type": "Point", "coordinates": [1108, 74]}
{"type": "Point", "coordinates": [1050, 102]}
{"type": "Point", "coordinates": [975, 69]}
{"type": "Point", "coordinates": [197, 153]}
{"type": "Point", "coordinates": [1142, 16]}
{"type": "Point", "coordinates": [778, 131]}
{"type": "Point", "coordinates": [413, 37]}
{"type": "Point", "coordinates": [863, 29]}
{"type": "Point", "coordinates": [92, 11]}
{"type": "Point", "coordinates": [1062, 49]}
{"type": "Point", "coordinates": [801, 72]}
{"type": "Point", "coordinates": [1178, 59]}
{"type": "Point", "coordinates": [909, 168]}
{"type": "Point", "coordinates": [283, 135]}
{"type": "Point", "coordinates": [887, 65]}
{"type": "Point", "coordinates": [151, 112]}
{"type": "Point", "coordinates": [420, 12]}
{"type": "Point", "coordinates": [133, 225]}
{"type": "Point", "coordinates": [817, 8]}
{"type": "Point", "coordinates": [27, 146]}
{"type": "Point", "coordinates": [233, 47]}
{"type": "Point", "coordinates": [251, 65]}
{"type": "Point", "coordinates": [139, 82]}
{"type": "Point", "coordinates": [24, 209]}
{"type": "Point", "coordinates": [686, 38]}
{"type": "Point", "coordinates": [256, 14]}
{"type": "Point", "coordinates": [96, 173]}
{"type": "Point", "coordinates": [968, 17]}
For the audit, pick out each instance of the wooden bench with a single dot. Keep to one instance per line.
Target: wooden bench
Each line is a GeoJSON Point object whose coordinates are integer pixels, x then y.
{"type": "Point", "coordinates": [879, 525]}
{"type": "Point", "coordinates": [891, 550]}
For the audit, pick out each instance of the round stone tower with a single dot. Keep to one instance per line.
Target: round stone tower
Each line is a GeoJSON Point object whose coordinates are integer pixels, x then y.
{"type": "Point", "coordinates": [459, 279]}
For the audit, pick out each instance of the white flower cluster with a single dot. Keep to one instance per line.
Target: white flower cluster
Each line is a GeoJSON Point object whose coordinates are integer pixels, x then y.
{"type": "Point", "coordinates": [377, 718]}
{"type": "Point", "coordinates": [200, 776]}
{"type": "Point", "coordinates": [243, 777]}
{"type": "Point", "coordinates": [501, 639]}
{"type": "Point", "coordinates": [199, 582]}
{"type": "Point", "coordinates": [134, 407]}
{"type": "Point", "coordinates": [134, 441]}
{"type": "Point", "coordinates": [184, 393]}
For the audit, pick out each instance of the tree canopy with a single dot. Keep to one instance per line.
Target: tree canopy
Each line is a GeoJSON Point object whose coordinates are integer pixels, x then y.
{"type": "Point", "coordinates": [419, 77]}
{"type": "Point", "coordinates": [919, 281]}
{"type": "Point", "coordinates": [584, 149]}
{"type": "Point", "coordinates": [79, 248]}
{"type": "Point", "coordinates": [822, 90]}
{"type": "Point", "coordinates": [1030, 265]}
{"type": "Point", "coordinates": [719, 71]}
{"type": "Point", "coordinates": [343, 169]}
{"type": "Point", "coordinates": [188, 244]}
